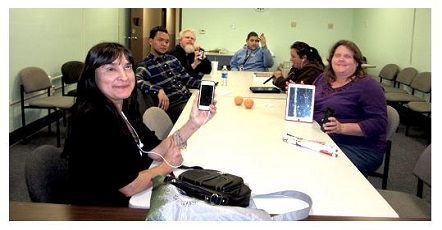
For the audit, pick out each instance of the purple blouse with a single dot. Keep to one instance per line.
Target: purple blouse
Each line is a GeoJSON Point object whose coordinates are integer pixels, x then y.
{"type": "Point", "coordinates": [362, 101]}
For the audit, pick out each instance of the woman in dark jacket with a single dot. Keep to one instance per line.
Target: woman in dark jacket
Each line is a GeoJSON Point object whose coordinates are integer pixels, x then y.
{"type": "Point", "coordinates": [109, 149]}
{"type": "Point", "coordinates": [307, 66]}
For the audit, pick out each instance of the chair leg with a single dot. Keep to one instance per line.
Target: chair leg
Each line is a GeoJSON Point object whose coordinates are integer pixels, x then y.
{"type": "Point", "coordinates": [49, 125]}
{"type": "Point", "coordinates": [420, 188]}
{"type": "Point", "coordinates": [23, 120]}
{"type": "Point", "coordinates": [64, 118]}
{"type": "Point", "coordinates": [58, 130]}
{"type": "Point", "coordinates": [386, 165]}
{"type": "Point", "coordinates": [24, 128]}
{"type": "Point", "coordinates": [428, 128]}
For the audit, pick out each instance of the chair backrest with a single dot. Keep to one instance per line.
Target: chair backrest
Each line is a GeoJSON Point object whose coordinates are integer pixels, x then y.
{"type": "Point", "coordinates": [422, 82]}
{"type": "Point", "coordinates": [145, 101]}
{"type": "Point", "coordinates": [159, 121]}
{"type": "Point", "coordinates": [71, 71]}
{"type": "Point", "coordinates": [46, 175]}
{"type": "Point", "coordinates": [34, 79]}
{"type": "Point", "coordinates": [393, 121]}
{"type": "Point", "coordinates": [406, 76]}
{"type": "Point", "coordinates": [389, 72]}
{"type": "Point", "coordinates": [422, 169]}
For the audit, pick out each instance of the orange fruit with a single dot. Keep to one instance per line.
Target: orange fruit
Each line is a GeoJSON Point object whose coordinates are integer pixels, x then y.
{"type": "Point", "coordinates": [238, 100]}
{"type": "Point", "coordinates": [248, 103]}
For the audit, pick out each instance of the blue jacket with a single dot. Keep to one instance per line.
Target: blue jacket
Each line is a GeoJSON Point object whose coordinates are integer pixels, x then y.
{"type": "Point", "coordinates": [259, 59]}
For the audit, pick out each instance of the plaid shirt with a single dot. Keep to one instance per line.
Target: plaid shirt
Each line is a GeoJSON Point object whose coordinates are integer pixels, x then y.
{"type": "Point", "coordinates": [167, 73]}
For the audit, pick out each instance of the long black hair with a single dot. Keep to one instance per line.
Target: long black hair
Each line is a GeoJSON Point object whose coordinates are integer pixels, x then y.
{"type": "Point", "coordinates": [304, 50]}
{"type": "Point", "coordinates": [90, 96]}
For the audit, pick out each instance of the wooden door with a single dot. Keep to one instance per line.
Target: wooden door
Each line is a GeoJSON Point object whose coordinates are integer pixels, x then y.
{"type": "Point", "coordinates": [141, 22]}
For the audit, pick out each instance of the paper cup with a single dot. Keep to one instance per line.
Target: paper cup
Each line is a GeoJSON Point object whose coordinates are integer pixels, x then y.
{"type": "Point", "coordinates": [214, 67]}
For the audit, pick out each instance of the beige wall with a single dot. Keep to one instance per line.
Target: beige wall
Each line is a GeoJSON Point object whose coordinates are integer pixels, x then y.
{"type": "Point", "coordinates": [395, 35]}
{"type": "Point", "coordinates": [49, 37]}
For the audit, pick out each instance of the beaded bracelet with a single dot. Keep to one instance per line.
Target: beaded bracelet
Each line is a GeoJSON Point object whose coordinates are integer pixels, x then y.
{"type": "Point", "coordinates": [179, 140]}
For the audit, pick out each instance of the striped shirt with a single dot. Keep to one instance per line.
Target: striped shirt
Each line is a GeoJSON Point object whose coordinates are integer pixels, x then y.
{"type": "Point", "coordinates": [167, 73]}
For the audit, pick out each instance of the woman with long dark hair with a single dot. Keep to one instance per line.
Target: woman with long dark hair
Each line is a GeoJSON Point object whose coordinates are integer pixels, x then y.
{"type": "Point", "coordinates": [109, 149]}
{"type": "Point", "coordinates": [307, 65]}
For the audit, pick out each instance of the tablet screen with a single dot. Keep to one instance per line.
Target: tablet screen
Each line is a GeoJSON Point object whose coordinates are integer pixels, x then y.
{"type": "Point", "coordinates": [300, 102]}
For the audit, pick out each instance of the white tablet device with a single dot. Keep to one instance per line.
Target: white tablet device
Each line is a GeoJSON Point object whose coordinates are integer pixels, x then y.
{"type": "Point", "coordinates": [300, 102]}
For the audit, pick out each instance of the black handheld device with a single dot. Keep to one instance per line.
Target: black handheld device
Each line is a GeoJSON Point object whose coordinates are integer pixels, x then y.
{"type": "Point", "coordinates": [328, 113]}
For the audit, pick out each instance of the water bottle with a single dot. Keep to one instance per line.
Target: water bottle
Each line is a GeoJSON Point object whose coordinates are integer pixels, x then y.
{"type": "Point", "coordinates": [224, 75]}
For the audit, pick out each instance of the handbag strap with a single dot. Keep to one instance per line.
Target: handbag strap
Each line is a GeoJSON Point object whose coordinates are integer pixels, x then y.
{"type": "Point", "coordinates": [293, 215]}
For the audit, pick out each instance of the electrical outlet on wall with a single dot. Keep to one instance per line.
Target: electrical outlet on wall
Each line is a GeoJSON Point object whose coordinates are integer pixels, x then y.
{"type": "Point", "coordinates": [331, 26]}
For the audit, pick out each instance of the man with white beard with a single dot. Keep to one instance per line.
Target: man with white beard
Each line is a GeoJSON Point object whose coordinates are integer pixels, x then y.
{"type": "Point", "coordinates": [187, 52]}
{"type": "Point", "coordinates": [163, 77]}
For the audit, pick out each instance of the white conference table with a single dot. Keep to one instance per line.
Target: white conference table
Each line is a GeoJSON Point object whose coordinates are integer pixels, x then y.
{"type": "Point", "coordinates": [238, 83]}
{"type": "Point", "coordinates": [248, 143]}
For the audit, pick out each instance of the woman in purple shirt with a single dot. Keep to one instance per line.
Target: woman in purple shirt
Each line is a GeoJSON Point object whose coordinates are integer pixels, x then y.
{"type": "Point", "coordinates": [359, 123]}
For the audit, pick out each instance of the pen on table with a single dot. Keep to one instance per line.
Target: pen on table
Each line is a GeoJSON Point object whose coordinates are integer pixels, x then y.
{"type": "Point", "coordinates": [270, 78]}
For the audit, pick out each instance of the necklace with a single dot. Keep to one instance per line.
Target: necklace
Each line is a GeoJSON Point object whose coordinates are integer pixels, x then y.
{"type": "Point", "coordinates": [337, 84]}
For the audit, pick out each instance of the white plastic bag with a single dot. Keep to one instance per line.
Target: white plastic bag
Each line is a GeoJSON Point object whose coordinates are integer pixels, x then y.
{"type": "Point", "coordinates": [167, 203]}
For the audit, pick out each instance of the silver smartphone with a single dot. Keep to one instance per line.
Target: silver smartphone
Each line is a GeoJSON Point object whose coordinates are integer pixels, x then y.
{"type": "Point", "coordinates": [206, 95]}
{"type": "Point", "coordinates": [201, 54]}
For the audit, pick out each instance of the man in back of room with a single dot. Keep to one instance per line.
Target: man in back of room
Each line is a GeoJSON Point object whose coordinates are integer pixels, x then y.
{"type": "Point", "coordinates": [252, 57]}
{"type": "Point", "coordinates": [188, 53]}
{"type": "Point", "coordinates": [162, 74]}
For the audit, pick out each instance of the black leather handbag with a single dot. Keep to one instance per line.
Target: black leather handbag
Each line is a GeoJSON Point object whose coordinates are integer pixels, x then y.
{"type": "Point", "coordinates": [213, 186]}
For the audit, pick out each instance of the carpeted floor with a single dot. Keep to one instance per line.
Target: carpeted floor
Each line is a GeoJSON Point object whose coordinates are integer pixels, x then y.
{"type": "Point", "coordinates": [405, 152]}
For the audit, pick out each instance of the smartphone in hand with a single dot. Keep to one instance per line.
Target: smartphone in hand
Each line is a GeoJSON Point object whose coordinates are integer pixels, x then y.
{"type": "Point", "coordinates": [328, 113]}
{"type": "Point", "coordinates": [201, 54]}
{"type": "Point", "coordinates": [206, 95]}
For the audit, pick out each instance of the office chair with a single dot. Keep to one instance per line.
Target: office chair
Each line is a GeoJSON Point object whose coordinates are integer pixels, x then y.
{"type": "Point", "coordinates": [71, 72]}
{"type": "Point", "coordinates": [404, 77]}
{"type": "Point", "coordinates": [410, 205]}
{"type": "Point", "coordinates": [393, 123]}
{"type": "Point", "coordinates": [389, 72]}
{"type": "Point", "coordinates": [46, 175]}
{"type": "Point", "coordinates": [145, 101]}
{"type": "Point", "coordinates": [33, 80]}
{"type": "Point", "coordinates": [159, 121]}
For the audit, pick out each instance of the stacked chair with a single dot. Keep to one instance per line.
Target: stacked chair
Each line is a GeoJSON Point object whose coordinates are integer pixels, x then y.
{"type": "Point", "coordinates": [33, 81]}
{"type": "Point", "coordinates": [403, 79]}
{"type": "Point", "coordinates": [421, 82]}
{"type": "Point", "coordinates": [388, 72]}
{"type": "Point", "coordinates": [71, 72]}
{"type": "Point", "coordinates": [414, 108]}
